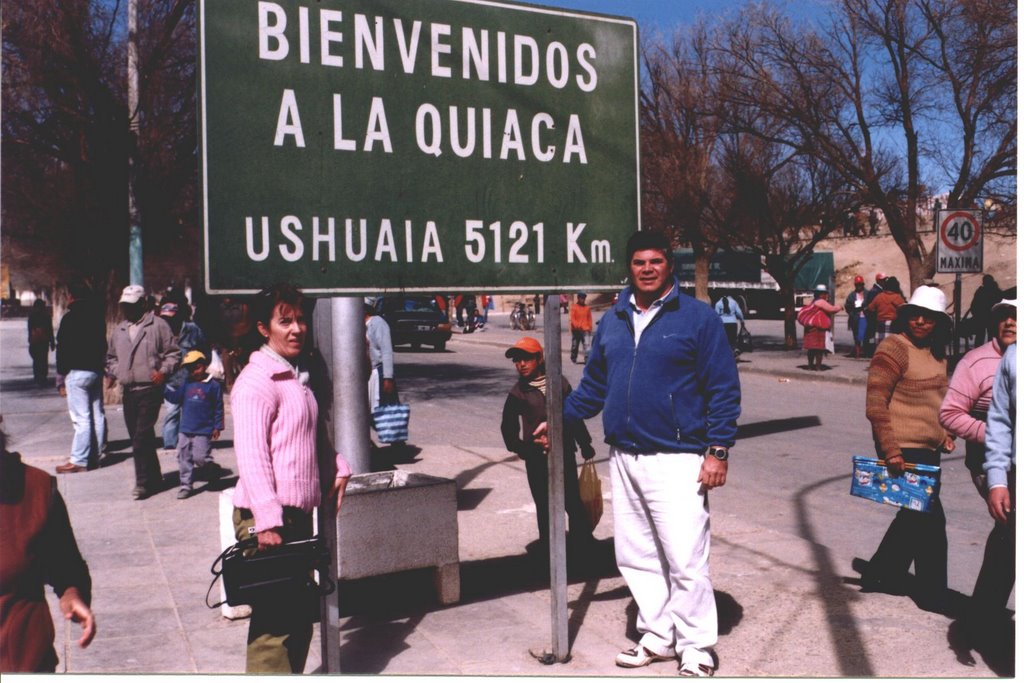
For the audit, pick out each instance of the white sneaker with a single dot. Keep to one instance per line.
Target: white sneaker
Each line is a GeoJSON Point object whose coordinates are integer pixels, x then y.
{"type": "Point", "coordinates": [639, 656]}
{"type": "Point", "coordinates": [695, 670]}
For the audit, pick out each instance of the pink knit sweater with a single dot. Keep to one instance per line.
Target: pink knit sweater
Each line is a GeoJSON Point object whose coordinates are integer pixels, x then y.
{"type": "Point", "coordinates": [970, 389]}
{"type": "Point", "coordinates": [275, 441]}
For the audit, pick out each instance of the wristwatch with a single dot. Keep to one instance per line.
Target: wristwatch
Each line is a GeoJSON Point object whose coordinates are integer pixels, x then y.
{"type": "Point", "coordinates": [719, 452]}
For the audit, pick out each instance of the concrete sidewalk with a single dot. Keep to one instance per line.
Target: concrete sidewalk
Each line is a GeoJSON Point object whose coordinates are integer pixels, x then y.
{"type": "Point", "coordinates": [150, 565]}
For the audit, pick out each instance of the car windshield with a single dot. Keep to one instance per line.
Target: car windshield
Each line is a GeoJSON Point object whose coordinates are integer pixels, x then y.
{"type": "Point", "coordinates": [413, 304]}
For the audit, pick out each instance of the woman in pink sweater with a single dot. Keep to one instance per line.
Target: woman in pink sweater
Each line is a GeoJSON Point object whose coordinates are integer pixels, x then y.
{"type": "Point", "coordinates": [275, 415]}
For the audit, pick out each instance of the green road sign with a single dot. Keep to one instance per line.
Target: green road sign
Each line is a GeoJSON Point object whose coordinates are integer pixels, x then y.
{"type": "Point", "coordinates": [364, 146]}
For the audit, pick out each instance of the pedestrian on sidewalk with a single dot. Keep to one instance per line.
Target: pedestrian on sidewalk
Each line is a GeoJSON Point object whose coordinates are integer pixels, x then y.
{"type": "Point", "coordinates": [871, 339]}
{"type": "Point", "coordinates": [731, 315]}
{"type": "Point", "coordinates": [985, 297]}
{"type": "Point", "coordinates": [662, 372]}
{"type": "Point", "coordinates": [1001, 473]}
{"type": "Point", "coordinates": [381, 385]}
{"type": "Point", "coordinates": [40, 341]}
{"type": "Point", "coordinates": [525, 408]}
{"type": "Point", "coordinates": [818, 333]}
{"type": "Point", "coordinates": [178, 314]}
{"type": "Point", "coordinates": [201, 402]}
{"type": "Point", "coordinates": [963, 413]}
{"type": "Point", "coordinates": [81, 352]}
{"type": "Point", "coordinates": [856, 315]}
{"type": "Point", "coordinates": [581, 324]}
{"type": "Point", "coordinates": [276, 428]}
{"type": "Point", "coordinates": [37, 547]}
{"type": "Point", "coordinates": [882, 308]}
{"type": "Point", "coordinates": [906, 385]}
{"type": "Point", "coordinates": [142, 353]}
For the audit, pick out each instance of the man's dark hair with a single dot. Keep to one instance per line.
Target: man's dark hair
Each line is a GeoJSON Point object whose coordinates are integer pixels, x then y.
{"type": "Point", "coordinates": [649, 239]}
{"type": "Point", "coordinates": [79, 290]}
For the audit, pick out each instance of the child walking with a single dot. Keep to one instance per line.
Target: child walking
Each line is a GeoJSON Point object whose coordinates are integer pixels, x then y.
{"type": "Point", "coordinates": [202, 419]}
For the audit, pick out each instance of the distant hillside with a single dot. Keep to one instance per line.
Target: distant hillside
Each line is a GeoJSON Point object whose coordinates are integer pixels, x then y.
{"type": "Point", "coordinates": [869, 255]}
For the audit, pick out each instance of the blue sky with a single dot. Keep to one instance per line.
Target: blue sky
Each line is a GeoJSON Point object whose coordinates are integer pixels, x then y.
{"type": "Point", "coordinates": [666, 15]}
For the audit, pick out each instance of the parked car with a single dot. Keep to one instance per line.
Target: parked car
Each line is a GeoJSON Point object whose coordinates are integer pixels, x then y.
{"type": "Point", "coordinates": [415, 320]}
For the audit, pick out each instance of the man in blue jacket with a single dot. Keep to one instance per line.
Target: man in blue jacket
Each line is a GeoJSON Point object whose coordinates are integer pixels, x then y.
{"type": "Point", "coordinates": [662, 371]}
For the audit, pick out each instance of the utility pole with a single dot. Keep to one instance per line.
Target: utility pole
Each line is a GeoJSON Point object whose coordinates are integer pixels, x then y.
{"type": "Point", "coordinates": [134, 222]}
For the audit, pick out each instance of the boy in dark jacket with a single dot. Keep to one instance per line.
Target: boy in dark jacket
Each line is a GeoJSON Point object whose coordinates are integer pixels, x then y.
{"type": "Point", "coordinates": [202, 419]}
{"type": "Point", "coordinates": [525, 408]}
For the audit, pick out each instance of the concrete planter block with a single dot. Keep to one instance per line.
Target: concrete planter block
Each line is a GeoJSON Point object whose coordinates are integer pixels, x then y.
{"type": "Point", "coordinates": [395, 521]}
{"type": "Point", "coordinates": [227, 539]}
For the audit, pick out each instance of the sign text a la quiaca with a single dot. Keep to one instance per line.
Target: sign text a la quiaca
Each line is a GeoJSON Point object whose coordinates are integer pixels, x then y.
{"type": "Point", "coordinates": [362, 146]}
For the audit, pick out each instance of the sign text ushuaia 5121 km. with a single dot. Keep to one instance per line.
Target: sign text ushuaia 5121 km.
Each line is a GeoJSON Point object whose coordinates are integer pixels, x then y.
{"type": "Point", "coordinates": [367, 145]}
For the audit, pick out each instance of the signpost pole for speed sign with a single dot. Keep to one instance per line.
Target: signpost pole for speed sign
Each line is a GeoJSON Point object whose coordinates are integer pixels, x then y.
{"type": "Point", "coordinates": [958, 249]}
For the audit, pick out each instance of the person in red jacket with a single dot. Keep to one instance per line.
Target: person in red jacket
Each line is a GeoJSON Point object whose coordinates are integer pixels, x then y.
{"type": "Point", "coordinates": [37, 547]}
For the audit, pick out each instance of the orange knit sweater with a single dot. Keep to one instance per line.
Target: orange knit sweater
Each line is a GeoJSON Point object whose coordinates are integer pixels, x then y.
{"type": "Point", "coordinates": [905, 390]}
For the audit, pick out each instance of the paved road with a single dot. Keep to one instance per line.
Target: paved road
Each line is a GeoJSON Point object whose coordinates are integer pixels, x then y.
{"type": "Point", "coordinates": [785, 531]}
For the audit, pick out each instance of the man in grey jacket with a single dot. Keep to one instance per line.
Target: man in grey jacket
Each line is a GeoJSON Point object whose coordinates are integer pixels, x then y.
{"type": "Point", "coordinates": [141, 354]}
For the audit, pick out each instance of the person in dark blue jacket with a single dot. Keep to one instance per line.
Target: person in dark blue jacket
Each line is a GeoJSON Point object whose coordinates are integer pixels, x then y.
{"type": "Point", "coordinates": [663, 373]}
{"type": "Point", "coordinates": [202, 419]}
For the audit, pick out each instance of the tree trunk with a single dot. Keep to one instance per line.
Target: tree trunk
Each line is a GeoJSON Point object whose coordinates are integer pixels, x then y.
{"type": "Point", "coordinates": [112, 395]}
{"type": "Point", "coordinates": [701, 273]}
{"type": "Point", "coordinates": [922, 269]}
{"type": "Point", "coordinates": [789, 313]}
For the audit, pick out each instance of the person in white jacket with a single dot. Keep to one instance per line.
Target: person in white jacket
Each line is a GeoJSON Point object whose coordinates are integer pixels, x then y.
{"type": "Point", "coordinates": [996, 579]}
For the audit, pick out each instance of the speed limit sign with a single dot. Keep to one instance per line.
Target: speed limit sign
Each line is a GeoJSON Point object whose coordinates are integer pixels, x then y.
{"type": "Point", "coordinates": [959, 248]}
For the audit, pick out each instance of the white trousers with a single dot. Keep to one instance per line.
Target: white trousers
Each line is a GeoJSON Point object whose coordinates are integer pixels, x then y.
{"type": "Point", "coordinates": [662, 548]}
{"type": "Point", "coordinates": [373, 389]}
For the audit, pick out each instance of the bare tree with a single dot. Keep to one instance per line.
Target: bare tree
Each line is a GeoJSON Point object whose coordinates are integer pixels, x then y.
{"type": "Point", "coordinates": [680, 124]}
{"type": "Point", "coordinates": [781, 206]}
{"type": "Point", "coordinates": [66, 143]}
{"type": "Point", "coordinates": [887, 89]}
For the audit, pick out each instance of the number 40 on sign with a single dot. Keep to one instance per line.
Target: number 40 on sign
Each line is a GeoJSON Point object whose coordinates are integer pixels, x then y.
{"type": "Point", "coordinates": [959, 248]}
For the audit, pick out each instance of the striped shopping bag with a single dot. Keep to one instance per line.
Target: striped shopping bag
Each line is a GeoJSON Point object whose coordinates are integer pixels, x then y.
{"type": "Point", "coordinates": [392, 422]}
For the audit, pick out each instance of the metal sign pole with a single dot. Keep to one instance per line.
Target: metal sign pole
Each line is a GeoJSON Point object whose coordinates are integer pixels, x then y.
{"type": "Point", "coordinates": [556, 479]}
{"type": "Point", "coordinates": [340, 337]}
{"type": "Point", "coordinates": [956, 318]}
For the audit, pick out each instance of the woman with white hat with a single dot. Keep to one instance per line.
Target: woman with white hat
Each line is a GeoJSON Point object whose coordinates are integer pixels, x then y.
{"type": "Point", "coordinates": [906, 385]}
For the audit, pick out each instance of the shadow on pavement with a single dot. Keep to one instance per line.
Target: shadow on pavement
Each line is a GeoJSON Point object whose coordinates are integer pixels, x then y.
{"type": "Point", "coordinates": [847, 642]}
{"type": "Point", "coordinates": [787, 424]}
{"type": "Point", "coordinates": [992, 638]}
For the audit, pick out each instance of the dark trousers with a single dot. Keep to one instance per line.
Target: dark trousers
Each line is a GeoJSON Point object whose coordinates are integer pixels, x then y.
{"type": "Point", "coordinates": [40, 354]}
{"type": "Point", "coordinates": [731, 330]}
{"type": "Point", "coordinates": [996, 578]}
{"type": "Point", "coordinates": [281, 628]}
{"type": "Point", "coordinates": [579, 338]}
{"type": "Point", "coordinates": [537, 476]}
{"type": "Point", "coordinates": [141, 408]}
{"type": "Point", "coordinates": [915, 537]}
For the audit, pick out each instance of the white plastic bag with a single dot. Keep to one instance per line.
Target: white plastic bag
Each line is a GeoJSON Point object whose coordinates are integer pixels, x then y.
{"type": "Point", "coordinates": [216, 367]}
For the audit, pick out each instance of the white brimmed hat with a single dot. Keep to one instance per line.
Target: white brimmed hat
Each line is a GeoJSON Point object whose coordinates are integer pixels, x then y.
{"type": "Point", "coordinates": [821, 288]}
{"type": "Point", "coordinates": [1008, 303]}
{"type": "Point", "coordinates": [930, 299]}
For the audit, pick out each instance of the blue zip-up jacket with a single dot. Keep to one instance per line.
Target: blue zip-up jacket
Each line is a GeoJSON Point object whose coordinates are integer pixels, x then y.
{"type": "Point", "coordinates": [677, 391]}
